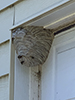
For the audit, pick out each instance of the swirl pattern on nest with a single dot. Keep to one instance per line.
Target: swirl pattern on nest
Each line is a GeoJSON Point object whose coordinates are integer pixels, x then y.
{"type": "Point", "coordinates": [32, 44]}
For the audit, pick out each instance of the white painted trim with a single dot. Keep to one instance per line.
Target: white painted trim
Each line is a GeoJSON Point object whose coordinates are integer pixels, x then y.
{"type": "Point", "coordinates": [9, 5]}
{"type": "Point", "coordinates": [11, 74]}
{"type": "Point", "coordinates": [40, 13]}
{"type": "Point", "coordinates": [64, 18]}
{"type": "Point", "coordinates": [67, 42]}
{"type": "Point", "coordinates": [29, 83]}
{"type": "Point", "coordinates": [4, 74]}
{"type": "Point", "coordinates": [55, 52]}
{"type": "Point", "coordinates": [54, 70]}
{"type": "Point", "coordinates": [55, 57]}
{"type": "Point", "coordinates": [4, 41]}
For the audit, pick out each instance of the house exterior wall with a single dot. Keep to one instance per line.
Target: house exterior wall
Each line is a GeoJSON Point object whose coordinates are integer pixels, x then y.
{"type": "Point", "coordinates": [4, 59]}
{"type": "Point", "coordinates": [21, 81]}
{"type": "Point", "coordinates": [4, 87]}
{"type": "Point", "coordinates": [6, 21]}
{"type": "Point", "coordinates": [54, 79]}
{"type": "Point", "coordinates": [28, 8]}
{"type": "Point", "coordinates": [13, 12]}
{"type": "Point", "coordinates": [4, 71]}
{"type": "Point", "coordinates": [20, 11]}
{"type": "Point", "coordinates": [5, 4]}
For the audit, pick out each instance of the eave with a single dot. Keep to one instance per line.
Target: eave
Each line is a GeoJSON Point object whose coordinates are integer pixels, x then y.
{"type": "Point", "coordinates": [52, 17]}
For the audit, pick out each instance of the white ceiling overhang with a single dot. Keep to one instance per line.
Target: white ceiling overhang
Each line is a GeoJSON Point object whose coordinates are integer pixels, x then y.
{"type": "Point", "coordinates": [57, 18]}
{"type": "Point", "coordinates": [54, 18]}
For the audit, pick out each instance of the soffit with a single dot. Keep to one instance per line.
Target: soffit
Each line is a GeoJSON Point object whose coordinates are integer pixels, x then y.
{"type": "Point", "coordinates": [53, 18]}
{"type": "Point", "coordinates": [57, 18]}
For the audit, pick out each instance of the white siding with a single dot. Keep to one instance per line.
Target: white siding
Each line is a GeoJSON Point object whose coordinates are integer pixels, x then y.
{"type": "Point", "coordinates": [6, 3]}
{"type": "Point", "coordinates": [4, 88]}
{"type": "Point", "coordinates": [29, 8]}
{"type": "Point", "coordinates": [23, 10]}
{"type": "Point", "coordinates": [4, 59]}
{"type": "Point", "coordinates": [6, 21]}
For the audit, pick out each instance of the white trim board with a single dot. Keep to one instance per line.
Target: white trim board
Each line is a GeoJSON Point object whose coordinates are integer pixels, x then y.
{"type": "Point", "coordinates": [8, 5]}
{"type": "Point", "coordinates": [69, 39]}
{"type": "Point", "coordinates": [30, 19]}
{"type": "Point", "coordinates": [66, 44]}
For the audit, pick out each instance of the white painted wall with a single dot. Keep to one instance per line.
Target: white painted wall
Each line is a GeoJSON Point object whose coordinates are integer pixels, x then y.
{"type": "Point", "coordinates": [52, 80]}
{"type": "Point", "coordinates": [4, 88]}
{"type": "Point", "coordinates": [58, 71]}
{"type": "Point", "coordinates": [4, 71]}
{"type": "Point", "coordinates": [6, 22]}
{"type": "Point", "coordinates": [65, 66]}
{"type": "Point", "coordinates": [65, 73]}
{"type": "Point", "coordinates": [5, 4]}
{"type": "Point", "coordinates": [4, 59]}
{"type": "Point", "coordinates": [22, 11]}
{"type": "Point", "coordinates": [21, 81]}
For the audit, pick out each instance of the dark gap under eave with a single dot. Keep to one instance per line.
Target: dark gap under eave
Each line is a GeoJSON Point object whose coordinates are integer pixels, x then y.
{"type": "Point", "coordinates": [64, 29]}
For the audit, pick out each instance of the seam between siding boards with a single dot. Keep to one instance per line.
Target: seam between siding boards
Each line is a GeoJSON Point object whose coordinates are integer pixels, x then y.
{"type": "Point", "coordinates": [10, 5]}
{"type": "Point", "coordinates": [4, 76]}
{"type": "Point", "coordinates": [4, 42]}
{"type": "Point", "coordinates": [64, 27]}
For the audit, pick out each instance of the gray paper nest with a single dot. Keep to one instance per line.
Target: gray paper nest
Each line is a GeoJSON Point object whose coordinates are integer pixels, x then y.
{"type": "Point", "coordinates": [32, 44]}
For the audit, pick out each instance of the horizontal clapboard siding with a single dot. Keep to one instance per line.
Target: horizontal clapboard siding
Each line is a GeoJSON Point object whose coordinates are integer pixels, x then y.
{"type": "Point", "coordinates": [5, 3]}
{"type": "Point", "coordinates": [6, 21]}
{"type": "Point", "coordinates": [4, 88]}
{"type": "Point", "coordinates": [4, 59]}
{"type": "Point", "coordinates": [28, 8]}
{"type": "Point", "coordinates": [9, 16]}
